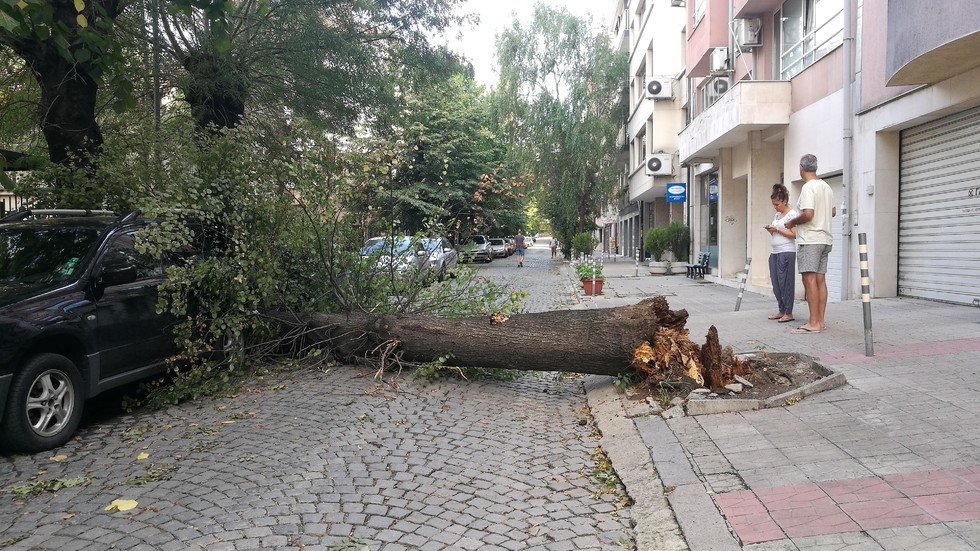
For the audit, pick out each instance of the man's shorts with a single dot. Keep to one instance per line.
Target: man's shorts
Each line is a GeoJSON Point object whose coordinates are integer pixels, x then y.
{"type": "Point", "coordinates": [813, 258]}
{"type": "Point", "coordinates": [519, 252]}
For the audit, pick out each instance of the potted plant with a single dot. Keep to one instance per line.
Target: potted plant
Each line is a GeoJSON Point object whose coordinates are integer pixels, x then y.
{"type": "Point", "coordinates": [589, 271]}
{"type": "Point", "coordinates": [679, 239]}
{"type": "Point", "coordinates": [656, 242]}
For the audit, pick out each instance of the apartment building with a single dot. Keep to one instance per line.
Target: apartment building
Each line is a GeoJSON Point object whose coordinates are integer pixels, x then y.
{"type": "Point", "coordinates": [886, 94]}
{"type": "Point", "coordinates": [651, 31]}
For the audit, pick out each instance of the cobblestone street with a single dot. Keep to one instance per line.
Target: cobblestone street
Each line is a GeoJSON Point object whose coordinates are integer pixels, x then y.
{"type": "Point", "coordinates": [334, 460]}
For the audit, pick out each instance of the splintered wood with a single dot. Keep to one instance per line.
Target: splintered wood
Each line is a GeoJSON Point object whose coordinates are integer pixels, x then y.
{"type": "Point", "coordinates": [673, 358]}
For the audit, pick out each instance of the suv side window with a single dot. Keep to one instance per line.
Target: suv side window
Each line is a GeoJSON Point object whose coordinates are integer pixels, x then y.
{"type": "Point", "coordinates": [122, 252]}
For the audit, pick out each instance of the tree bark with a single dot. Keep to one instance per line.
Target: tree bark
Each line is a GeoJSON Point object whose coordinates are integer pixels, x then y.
{"type": "Point", "coordinates": [601, 341]}
{"type": "Point", "coordinates": [69, 88]}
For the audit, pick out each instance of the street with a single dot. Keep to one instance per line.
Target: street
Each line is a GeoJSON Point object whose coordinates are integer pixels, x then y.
{"type": "Point", "coordinates": [335, 459]}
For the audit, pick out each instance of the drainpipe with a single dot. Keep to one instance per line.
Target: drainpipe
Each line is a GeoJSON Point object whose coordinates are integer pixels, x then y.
{"type": "Point", "coordinates": [848, 148]}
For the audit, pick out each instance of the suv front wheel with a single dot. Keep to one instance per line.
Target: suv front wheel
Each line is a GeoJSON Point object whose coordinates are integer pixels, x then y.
{"type": "Point", "coordinates": [44, 406]}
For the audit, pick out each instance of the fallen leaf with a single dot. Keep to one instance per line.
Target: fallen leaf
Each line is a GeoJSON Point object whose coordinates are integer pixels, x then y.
{"type": "Point", "coordinates": [142, 456]}
{"type": "Point", "coordinates": [59, 458]}
{"type": "Point", "coordinates": [68, 516]}
{"type": "Point", "coordinates": [121, 505]}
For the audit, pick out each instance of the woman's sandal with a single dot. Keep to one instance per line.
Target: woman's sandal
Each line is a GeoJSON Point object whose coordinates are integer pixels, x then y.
{"type": "Point", "coordinates": [776, 316]}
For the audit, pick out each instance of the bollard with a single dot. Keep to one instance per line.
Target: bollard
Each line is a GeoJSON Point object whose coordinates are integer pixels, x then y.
{"type": "Point", "coordinates": [593, 278]}
{"type": "Point", "coordinates": [636, 252]}
{"type": "Point", "coordinates": [741, 284]}
{"type": "Point", "coordinates": [869, 344]}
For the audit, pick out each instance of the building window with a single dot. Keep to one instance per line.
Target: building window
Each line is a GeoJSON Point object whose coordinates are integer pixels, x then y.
{"type": "Point", "coordinates": [807, 30]}
{"type": "Point", "coordinates": [698, 12]}
{"type": "Point", "coordinates": [642, 139]}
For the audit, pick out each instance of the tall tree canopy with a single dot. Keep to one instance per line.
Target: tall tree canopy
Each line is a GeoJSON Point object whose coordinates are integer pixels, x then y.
{"type": "Point", "coordinates": [558, 101]}
{"type": "Point", "coordinates": [330, 62]}
{"type": "Point", "coordinates": [451, 169]}
{"type": "Point", "coordinates": [333, 63]}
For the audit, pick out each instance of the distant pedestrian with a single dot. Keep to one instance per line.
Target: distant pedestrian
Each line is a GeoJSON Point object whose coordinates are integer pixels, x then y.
{"type": "Point", "coordinates": [519, 248]}
{"type": "Point", "coordinates": [554, 247]}
{"type": "Point", "coordinates": [782, 258]}
{"type": "Point", "coordinates": [814, 241]}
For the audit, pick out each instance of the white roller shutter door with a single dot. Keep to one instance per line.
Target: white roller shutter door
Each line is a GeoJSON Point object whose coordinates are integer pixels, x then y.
{"type": "Point", "coordinates": [939, 210]}
{"type": "Point", "coordinates": [835, 262]}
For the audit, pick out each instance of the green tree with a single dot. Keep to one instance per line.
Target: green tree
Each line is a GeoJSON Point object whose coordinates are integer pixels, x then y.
{"type": "Point", "coordinates": [558, 100]}
{"type": "Point", "coordinates": [334, 63]}
{"type": "Point", "coordinates": [451, 171]}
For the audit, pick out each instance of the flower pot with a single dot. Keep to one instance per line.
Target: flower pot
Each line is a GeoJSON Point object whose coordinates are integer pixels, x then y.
{"type": "Point", "coordinates": [659, 268]}
{"type": "Point", "coordinates": [587, 285]}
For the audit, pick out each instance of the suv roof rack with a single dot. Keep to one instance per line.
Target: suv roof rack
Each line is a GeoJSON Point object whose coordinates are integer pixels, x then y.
{"type": "Point", "coordinates": [22, 214]}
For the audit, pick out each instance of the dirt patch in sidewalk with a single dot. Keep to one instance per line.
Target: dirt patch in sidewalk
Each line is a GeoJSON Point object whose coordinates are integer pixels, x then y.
{"type": "Point", "coordinates": [770, 375]}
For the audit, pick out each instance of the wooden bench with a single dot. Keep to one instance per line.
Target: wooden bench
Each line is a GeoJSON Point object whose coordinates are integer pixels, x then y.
{"type": "Point", "coordinates": [700, 266]}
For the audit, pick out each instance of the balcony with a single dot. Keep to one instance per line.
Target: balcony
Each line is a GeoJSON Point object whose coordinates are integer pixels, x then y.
{"type": "Point", "coordinates": [931, 41]}
{"type": "Point", "coordinates": [748, 106]}
{"type": "Point", "coordinates": [750, 8]}
{"type": "Point", "coordinates": [622, 144]}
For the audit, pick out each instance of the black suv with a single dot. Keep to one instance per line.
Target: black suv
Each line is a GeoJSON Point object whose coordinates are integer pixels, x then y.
{"type": "Point", "coordinates": [78, 316]}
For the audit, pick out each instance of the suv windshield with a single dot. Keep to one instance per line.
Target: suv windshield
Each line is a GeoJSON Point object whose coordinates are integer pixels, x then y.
{"type": "Point", "coordinates": [43, 255]}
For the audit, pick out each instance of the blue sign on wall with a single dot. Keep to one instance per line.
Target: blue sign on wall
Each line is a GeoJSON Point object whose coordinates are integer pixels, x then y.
{"type": "Point", "coordinates": [676, 192]}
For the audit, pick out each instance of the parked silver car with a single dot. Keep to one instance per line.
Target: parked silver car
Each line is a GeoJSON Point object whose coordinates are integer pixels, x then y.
{"type": "Point", "coordinates": [406, 255]}
{"type": "Point", "coordinates": [476, 248]}
{"type": "Point", "coordinates": [443, 257]}
{"type": "Point", "coordinates": [498, 247]}
{"type": "Point", "coordinates": [413, 257]}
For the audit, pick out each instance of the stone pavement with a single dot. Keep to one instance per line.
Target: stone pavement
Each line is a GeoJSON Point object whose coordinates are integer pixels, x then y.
{"type": "Point", "coordinates": [889, 461]}
{"type": "Point", "coordinates": [335, 460]}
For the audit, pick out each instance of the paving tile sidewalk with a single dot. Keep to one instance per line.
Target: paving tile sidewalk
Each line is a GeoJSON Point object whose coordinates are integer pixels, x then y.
{"type": "Point", "coordinates": [889, 461]}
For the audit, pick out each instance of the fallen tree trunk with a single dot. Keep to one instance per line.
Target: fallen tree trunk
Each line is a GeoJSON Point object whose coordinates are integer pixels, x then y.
{"type": "Point", "coordinates": [647, 336]}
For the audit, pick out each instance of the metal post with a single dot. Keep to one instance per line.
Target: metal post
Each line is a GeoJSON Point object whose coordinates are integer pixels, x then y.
{"type": "Point", "coordinates": [636, 254]}
{"type": "Point", "coordinates": [869, 344]}
{"type": "Point", "coordinates": [741, 284]}
{"type": "Point", "coordinates": [593, 278]}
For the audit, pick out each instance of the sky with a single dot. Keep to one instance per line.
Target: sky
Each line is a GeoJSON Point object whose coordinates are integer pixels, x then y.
{"type": "Point", "coordinates": [477, 43]}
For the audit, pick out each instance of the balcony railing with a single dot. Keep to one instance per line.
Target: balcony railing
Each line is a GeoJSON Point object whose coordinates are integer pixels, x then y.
{"type": "Point", "coordinates": [814, 45]}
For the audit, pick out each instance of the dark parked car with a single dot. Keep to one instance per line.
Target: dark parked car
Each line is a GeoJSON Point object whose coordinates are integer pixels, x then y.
{"type": "Point", "coordinates": [78, 316]}
{"type": "Point", "coordinates": [476, 249]}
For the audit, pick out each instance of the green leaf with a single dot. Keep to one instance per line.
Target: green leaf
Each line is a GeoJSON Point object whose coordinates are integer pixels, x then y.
{"type": "Point", "coordinates": [8, 23]}
{"type": "Point", "coordinates": [222, 44]}
{"type": "Point", "coordinates": [82, 55]}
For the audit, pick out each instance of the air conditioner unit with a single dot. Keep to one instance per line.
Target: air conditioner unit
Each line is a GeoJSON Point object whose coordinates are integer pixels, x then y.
{"type": "Point", "coordinates": [660, 88]}
{"type": "Point", "coordinates": [719, 61]}
{"type": "Point", "coordinates": [660, 164]}
{"type": "Point", "coordinates": [715, 88]}
{"type": "Point", "coordinates": [748, 33]}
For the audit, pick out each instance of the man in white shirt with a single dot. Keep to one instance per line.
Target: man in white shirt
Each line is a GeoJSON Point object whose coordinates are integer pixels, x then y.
{"type": "Point", "coordinates": [814, 240]}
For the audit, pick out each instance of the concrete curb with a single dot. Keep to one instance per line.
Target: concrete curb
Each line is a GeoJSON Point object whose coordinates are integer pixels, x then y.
{"type": "Point", "coordinates": [655, 524]}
